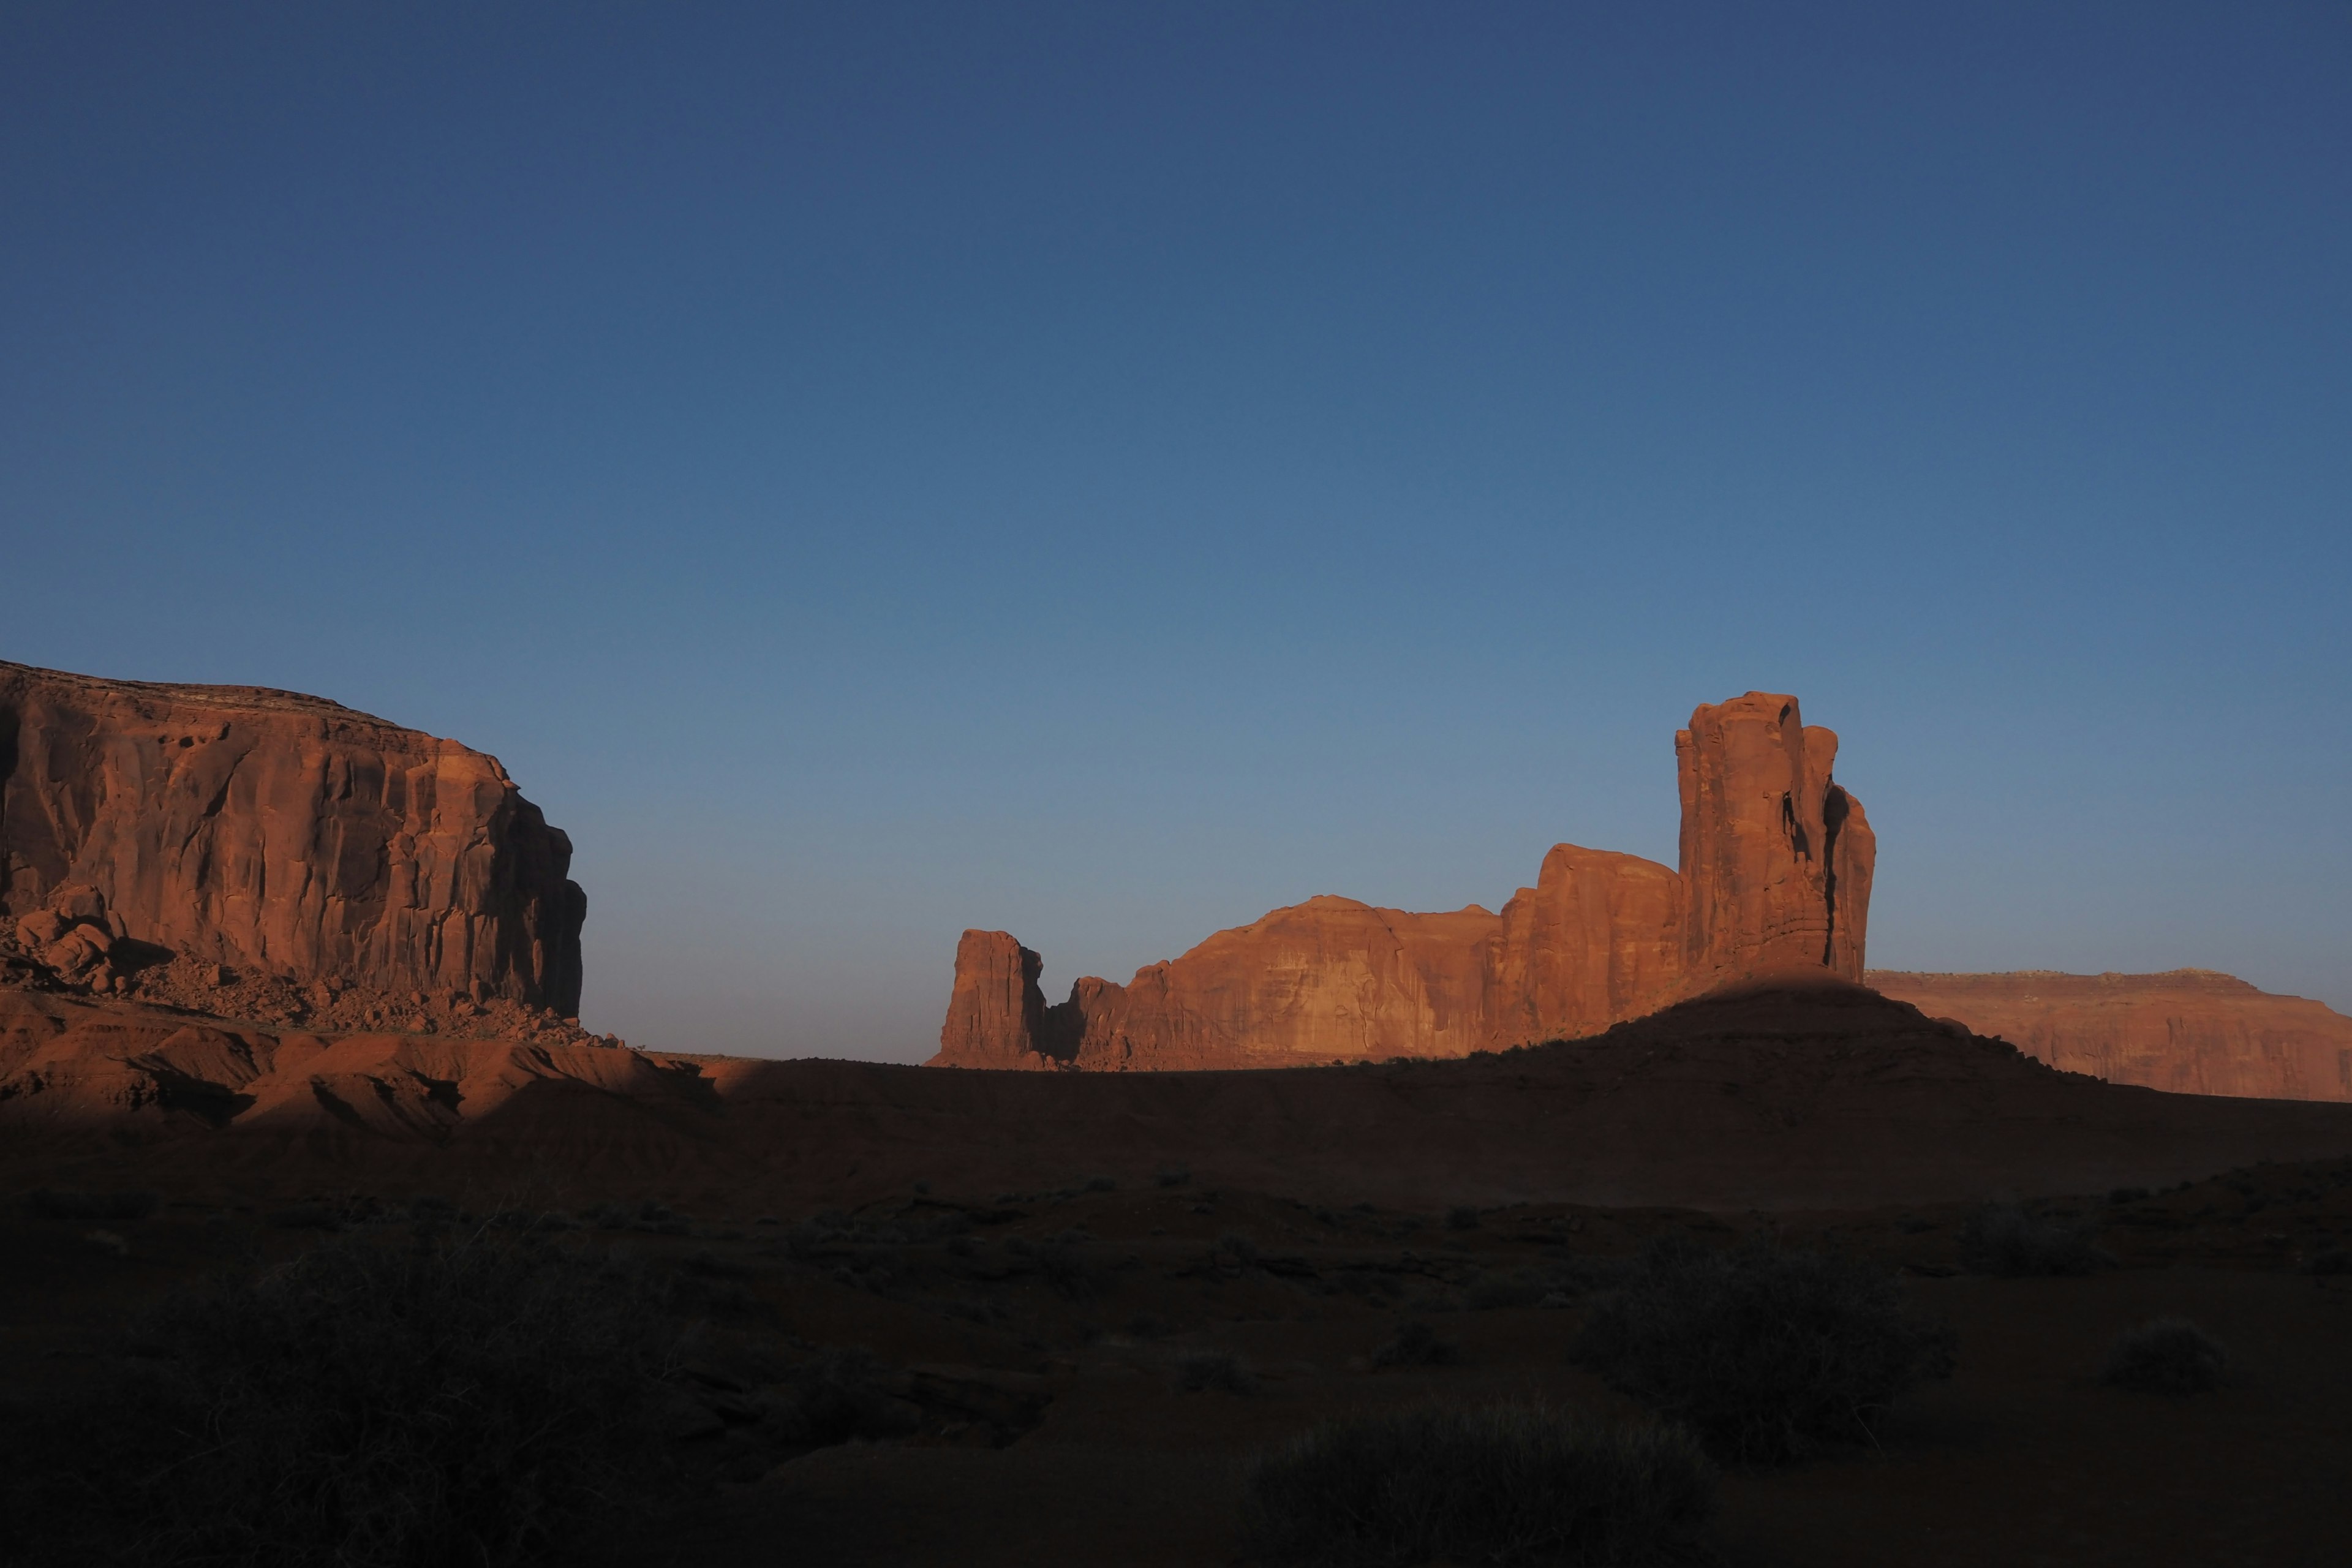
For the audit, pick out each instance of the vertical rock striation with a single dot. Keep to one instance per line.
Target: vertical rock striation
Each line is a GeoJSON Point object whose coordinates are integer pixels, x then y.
{"type": "Point", "coordinates": [281, 834]}
{"type": "Point", "coordinates": [996, 1016]}
{"type": "Point", "coordinates": [1775, 881]}
{"type": "Point", "coordinates": [1765, 836]}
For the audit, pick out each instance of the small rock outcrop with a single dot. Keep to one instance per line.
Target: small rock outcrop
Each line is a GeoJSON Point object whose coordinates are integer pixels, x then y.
{"type": "Point", "coordinates": [223, 835]}
{"type": "Point", "coordinates": [1774, 882]}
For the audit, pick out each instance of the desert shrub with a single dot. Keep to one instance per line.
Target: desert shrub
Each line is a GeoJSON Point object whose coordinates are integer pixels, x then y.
{"type": "Point", "coordinates": [1101, 1185]}
{"type": "Point", "coordinates": [2002, 1238]}
{"type": "Point", "coordinates": [1518, 1288]}
{"type": "Point", "coordinates": [660, 1219]}
{"type": "Point", "coordinates": [1765, 1353]}
{"type": "Point", "coordinates": [1068, 1270]}
{"type": "Point", "coordinates": [1416, 1344]}
{"type": "Point", "coordinates": [835, 1395]}
{"type": "Point", "coordinates": [1237, 1246]}
{"type": "Point", "coordinates": [1497, 1484]}
{"type": "Point", "coordinates": [1214, 1370]}
{"type": "Point", "coordinates": [2167, 1355]}
{"type": "Point", "coordinates": [1171, 1175]}
{"type": "Point", "coordinates": [311, 1215]}
{"type": "Point", "coordinates": [50, 1203]}
{"type": "Point", "coordinates": [706, 1263]}
{"type": "Point", "coordinates": [1462, 1216]}
{"type": "Point", "coordinates": [2328, 1260]}
{"type": "Point", "coordinates": [482, 1402]}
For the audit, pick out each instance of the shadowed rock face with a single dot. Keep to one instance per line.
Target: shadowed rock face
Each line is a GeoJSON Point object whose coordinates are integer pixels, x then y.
{"type": "Point", "coordinates": [2192, 1031]}
{"type": "Point", "coordinates": [1775, 881]}
{"type": "Point", "coordinates": [269, 831]}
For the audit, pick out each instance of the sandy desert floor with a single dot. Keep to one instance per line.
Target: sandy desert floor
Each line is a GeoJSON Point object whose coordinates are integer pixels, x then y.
{"type": "Point", "coordinates": [1037, 1343]}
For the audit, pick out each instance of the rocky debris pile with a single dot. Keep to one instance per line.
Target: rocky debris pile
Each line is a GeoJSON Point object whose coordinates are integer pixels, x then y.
{"type": "Point", "coordinates": [79, 955]}
{"type": "Point", "coordinates": [63, 949]}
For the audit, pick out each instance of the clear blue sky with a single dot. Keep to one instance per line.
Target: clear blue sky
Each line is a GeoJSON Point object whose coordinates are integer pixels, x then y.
{"type": "Point", "coordinates": [1105, 471]}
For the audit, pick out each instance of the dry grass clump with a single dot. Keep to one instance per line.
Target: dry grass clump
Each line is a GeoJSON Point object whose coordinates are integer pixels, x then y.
{"type": "Point", "coordinates": [2165, 1355]}
{"type": "Point", "coordinates": [1767, 1354]}
{"type": "Point", "coordinates": [484, 1400]}
{"type": "Point", "coordinates": [1505, 1484]}
{"type": "Point", "coordinates": [2002, 1239]}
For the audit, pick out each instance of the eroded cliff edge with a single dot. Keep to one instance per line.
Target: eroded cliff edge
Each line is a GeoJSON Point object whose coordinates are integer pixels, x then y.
{"type": "Point", "coordinates": [269, 834]}
{"type": "Point", "coordinates": [1775, 881]}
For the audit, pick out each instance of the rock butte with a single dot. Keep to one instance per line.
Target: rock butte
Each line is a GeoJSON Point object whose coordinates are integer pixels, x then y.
{"type": "Point", "coordinates": [270, 834]}
{"type": "Point", "coordinates": [237, 853]}
{"type": "Point", "coordinates": [1774, 883]}
{"type": "Point", "coordinates": [2191, 1031]}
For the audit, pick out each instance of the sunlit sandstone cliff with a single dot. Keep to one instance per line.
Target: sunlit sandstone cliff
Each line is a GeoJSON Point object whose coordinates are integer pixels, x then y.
{"type": "Point", "coordinates": [271, 832]}
{"type": "Point", "coordinates": [2191, 1030]}
{"type": "Point", "coordinates": [1775, 881]}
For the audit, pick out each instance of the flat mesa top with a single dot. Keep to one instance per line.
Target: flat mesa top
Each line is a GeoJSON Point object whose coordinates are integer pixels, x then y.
{"type": "Point", "coordinates": [247, 697]}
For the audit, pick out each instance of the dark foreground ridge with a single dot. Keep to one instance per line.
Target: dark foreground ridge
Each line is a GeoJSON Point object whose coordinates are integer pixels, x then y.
{"type": "Point", "coordinates": [1782, 1096]}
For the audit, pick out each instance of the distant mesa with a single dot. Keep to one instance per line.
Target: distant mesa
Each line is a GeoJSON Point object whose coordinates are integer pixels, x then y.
{"type": "Point", "coordinates": [1774, 884]}
{"type": "Point", "coordinates": [152, 833]}
{"type": "Point", "coordinates": [302, 871]}
{"type": "Point", "coordinates": [2191, 1031]}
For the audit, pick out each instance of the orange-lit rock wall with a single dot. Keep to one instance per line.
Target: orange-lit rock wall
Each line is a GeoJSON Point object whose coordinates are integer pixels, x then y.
{"type": "Point", "coordinates": [2191, 1031]}
{"type": "Point", "coordinates": [1775, 880]}
{"type": "Point", "coordinates": [278, 833]}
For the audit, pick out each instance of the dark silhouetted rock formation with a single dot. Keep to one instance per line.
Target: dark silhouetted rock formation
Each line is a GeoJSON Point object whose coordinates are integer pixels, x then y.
{"type": "Point", "coordinates": [270, 835]}
{"type": "Point", "coordinates": [2190, 1030]}
{"type": "Point", "coordinates": [1775, 881]}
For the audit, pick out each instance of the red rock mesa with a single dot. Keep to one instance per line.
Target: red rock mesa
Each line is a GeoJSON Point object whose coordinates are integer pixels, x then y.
{"type": "Point", "coordinates": [2192, 1030]}
{"type": "Point", "coordinates": [1775, 881]}
{"type": "Point", "coordinates": [270, 835]}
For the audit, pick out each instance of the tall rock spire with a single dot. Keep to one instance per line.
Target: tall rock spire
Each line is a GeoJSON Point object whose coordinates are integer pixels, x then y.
{"type": "Point", "coordinates": [1776, 859]}
{"type": "Point", "coordinates": [1775, 883]}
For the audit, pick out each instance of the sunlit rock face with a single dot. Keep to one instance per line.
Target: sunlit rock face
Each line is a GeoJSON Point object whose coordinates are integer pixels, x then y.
{"type": "Point", "coordinates": [1776, 858]}
{"type": "Point", "coordinates": [1775, 881]}
{"type": "Point", "coordinates": [275, 832]}
{"type": "Point", "coordinates": [2192, 1031]}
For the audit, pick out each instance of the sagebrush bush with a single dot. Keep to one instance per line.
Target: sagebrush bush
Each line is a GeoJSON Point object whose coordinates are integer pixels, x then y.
{"type": "Point", "coordinates": [2002, 1238]}
{"type": "Point", "coordinates": [1520, 1288]}
{"type": "Point", "coordinates": [482, 1400]}
{"type": "Point", "coordinates": [1218, 1370]}
{"type": "Point", "coordinates": [1416, 1344]}
{"type": "Point", "coordinates": [1505, 1484]}
{"type": "Point", "coordinates": [2165, 1355]}
{"type": "Point", "coordinates": [50, 1203]}
{"type": "Point", "coordinates": [1765, 1353]}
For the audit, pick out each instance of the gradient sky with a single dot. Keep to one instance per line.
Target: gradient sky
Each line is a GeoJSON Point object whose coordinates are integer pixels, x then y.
{"type": "Point", "coordinates": [1103, 471]}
